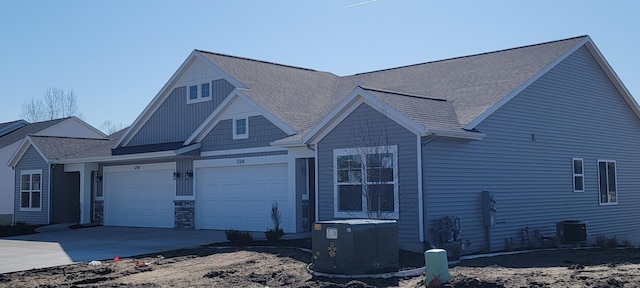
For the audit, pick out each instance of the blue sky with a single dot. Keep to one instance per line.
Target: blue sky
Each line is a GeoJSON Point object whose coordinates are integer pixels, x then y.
{"type": "Point", "coordinates": [116, 55]}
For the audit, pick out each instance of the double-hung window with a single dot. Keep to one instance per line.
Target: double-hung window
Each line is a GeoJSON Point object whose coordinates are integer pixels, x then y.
{"type": "Point", "coordinates": [366, 182]}
{"type": "Point", "coordinates": [607, 182]}
{"type": "Point", "coordinates": [241, 128]}
{"type": "Point", "coordinates": [31, 190]}
{"type": "Point", "coordinates": [578, 175]}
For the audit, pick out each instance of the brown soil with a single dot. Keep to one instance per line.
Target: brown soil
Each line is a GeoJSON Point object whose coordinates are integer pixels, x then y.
{"type": "Point", "coordinates": [211, 266]}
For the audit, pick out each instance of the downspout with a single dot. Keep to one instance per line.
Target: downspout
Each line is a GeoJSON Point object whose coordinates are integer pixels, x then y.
{"type": "Point", "coordinates": [421, 198]}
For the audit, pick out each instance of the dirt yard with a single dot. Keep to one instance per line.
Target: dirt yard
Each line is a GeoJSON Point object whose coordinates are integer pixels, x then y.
{"type": "Point", "coordinates": [211, 266]}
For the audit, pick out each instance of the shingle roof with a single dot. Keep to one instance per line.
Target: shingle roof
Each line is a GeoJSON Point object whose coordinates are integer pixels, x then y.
{"type": "Point", "coordinates": [59, 148]}
{"type": "Point", "coordinates": [299, 97]}
{"type": "Point", "coordinates": [7, 127]}
{"type": "Point", "coordinates": [470, 85]}
{"type": "Point", "coordinates": [28, 129]}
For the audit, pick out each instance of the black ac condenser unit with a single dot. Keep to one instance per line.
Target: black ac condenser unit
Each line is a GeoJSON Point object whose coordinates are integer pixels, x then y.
{"type": "Point", "coordinates": [357, 246]}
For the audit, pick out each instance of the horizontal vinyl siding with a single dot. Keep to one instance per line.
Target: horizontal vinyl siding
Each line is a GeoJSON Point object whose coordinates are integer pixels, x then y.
{"type": "Point", "coordinates": [176, 120]}
{"type": "Point", "coordinates": [362, 119]}
{"type": "Point", "coordinates": [525, 159]}
{"type": "Point", "coordinates": [261, 133]}
{"type": "Point", "coordinates": [31, 160]}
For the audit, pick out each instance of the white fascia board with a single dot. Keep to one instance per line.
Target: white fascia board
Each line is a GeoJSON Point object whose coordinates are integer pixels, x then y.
{"type": "Point", "coordinates": [22, 149]}
{"type": "Point", "coordinates": [166, 91]}
{"type": "Point", "coordinates": [155, 103]}
{"type": "Point", "coordinates": [212, 120]}
{"type": "Point", "coordinates": [348, 105]}
{"type": "Point", "coordinates": [242, 151]}
{"type": "Point", "coordinates": [613, 77]}
{"type": "Point", "coordinates": [138, 156]}
{"type": "Point", "coordinates": [524, 85]}
{"type": "Point", "coordinates": [456, 134]}
{"type": "Point", "coordinates": [288, 143]}
{"type": "Point", "coordinates": [215, 117]}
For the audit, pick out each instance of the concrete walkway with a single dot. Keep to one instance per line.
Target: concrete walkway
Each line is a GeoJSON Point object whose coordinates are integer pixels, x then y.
{"type": "Point", "coordinates": [57, 245]}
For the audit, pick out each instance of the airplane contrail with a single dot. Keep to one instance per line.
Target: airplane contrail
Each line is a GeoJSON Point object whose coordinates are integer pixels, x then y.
{"type": "Point", "coordinates": [358, 4]}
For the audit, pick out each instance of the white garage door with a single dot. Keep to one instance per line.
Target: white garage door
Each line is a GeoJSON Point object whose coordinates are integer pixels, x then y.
{"type": "Point", "coordinates": [139, 195]}
{"type": "Point", "coordinates": [240, 197]}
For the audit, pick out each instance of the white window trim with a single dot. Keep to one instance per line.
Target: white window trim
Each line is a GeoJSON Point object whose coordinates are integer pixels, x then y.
{"type": "Point", "coordinates": [616, 179]}
{"type": "Point", "coordinates": [198, 99]}
{"type": "Point", "coordinates": [241, 136]}
{"type": "Point", "coordinates": [577, 174]}
{"type": "Point", "coordinates": [359, 151]}
{"type": "Point", "coordinates": [31, 172]}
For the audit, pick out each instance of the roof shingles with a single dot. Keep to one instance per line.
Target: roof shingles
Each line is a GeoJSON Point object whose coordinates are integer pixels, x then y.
{"type": "Point", "coordinates": [471, 85]}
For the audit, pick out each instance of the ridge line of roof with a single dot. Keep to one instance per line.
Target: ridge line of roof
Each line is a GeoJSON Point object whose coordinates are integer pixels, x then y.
{"type": "Point", "coordinates": [256, 60]}
{"type": "Point", "coordinates": [403, 94]}
{"type": "Point", "coordinates": [471, 55]}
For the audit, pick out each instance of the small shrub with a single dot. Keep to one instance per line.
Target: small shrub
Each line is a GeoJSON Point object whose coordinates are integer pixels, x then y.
{"type": "Point", "coordinates": [273, 234]}
{"type": "Point", "coordinates": [613, 242]}
{"type": "Point", "coordinates": [605, 242]}
{"type": "Point", "coordinates": [235, 236]}
{"type": "Point", "coordinates": [276, 232]}
{"type": "Point", "coordinates": [601, 241]}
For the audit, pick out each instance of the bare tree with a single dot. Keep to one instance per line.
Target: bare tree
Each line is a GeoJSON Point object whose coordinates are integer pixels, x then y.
{"type": "Point", "coordinates": [55, 103]}
{"type": "Point", "coordinates": [111, 127]}
{"type": "Point", "coordinates": [367, 173]}
{"type": "Point", "coordinates": [378, 163]}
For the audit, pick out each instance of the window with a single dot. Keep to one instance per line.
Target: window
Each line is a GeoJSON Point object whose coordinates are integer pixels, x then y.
{"type": "Point", "coordinates": [193, 92]}
{"type": "Point", "coordinates": [205, 90]}
{"type": "Point", "coordinates": [607, 181]}
{"type": "Point", "coordinates": [366, 182]}
{"type": "Point", "coordinates": [30, 190]}
{"type": "Point", "coordinates": [241, 128]}
{"type": "Point", "coordinates": [198, 92]}
{"type": "Point", "coordinates": [578, 175]}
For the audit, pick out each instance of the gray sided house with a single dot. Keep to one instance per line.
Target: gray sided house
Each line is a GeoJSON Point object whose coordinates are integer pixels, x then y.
{"type": "Point", "coordinates": [547, 129]}
{"type": "Point", "coordinates": [12, 134]}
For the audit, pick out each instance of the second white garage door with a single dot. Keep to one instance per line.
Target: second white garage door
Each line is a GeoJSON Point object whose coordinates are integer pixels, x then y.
{"type": "Point", "coordinates": [240, 197]}
{"type": "Point", "coordinates": [139, 195]}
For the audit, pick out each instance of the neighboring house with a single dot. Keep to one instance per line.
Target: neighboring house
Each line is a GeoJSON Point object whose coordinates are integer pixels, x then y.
{"type": "Point", "coordinates": [13, 133]}
{"type": "Point", "coordinates": [548, 129]}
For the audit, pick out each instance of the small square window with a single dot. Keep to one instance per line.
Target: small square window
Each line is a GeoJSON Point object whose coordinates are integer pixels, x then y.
{"type": "Point", "coordinates": [205, 90]}
{"type": "Point", "coordinates": [240, 128]}
{"type": "Point", "coordinates": [193, 92]}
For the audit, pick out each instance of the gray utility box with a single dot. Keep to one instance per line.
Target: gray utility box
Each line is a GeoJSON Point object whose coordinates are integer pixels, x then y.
{"type": "Point", "coordinates": [571, 232]}
{"type": "Point", "coordinates": [358, 246]}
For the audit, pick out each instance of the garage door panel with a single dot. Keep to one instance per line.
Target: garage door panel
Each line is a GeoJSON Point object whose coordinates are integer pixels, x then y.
{"type": "Point", "coordinates": [239, 197]}
{"type": "Point", "coordinates": [139, 198]}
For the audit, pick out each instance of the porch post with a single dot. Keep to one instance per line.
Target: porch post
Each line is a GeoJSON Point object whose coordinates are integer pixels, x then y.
{"type": "Point", "coordinates": [85, 188]}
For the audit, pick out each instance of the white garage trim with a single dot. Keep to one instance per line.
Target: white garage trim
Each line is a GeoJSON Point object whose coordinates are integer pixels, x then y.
{"type": "Point", "coordinates": [240, 161]}
{"type": "Point", "coordinates": [140, 167]}
{"type": "Point", "coordinates": [245, 195]}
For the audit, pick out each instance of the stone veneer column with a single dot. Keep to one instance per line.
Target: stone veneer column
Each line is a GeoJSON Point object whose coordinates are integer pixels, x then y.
{"type": "Point", "coordinates": [98, 212]}
{"type": "Point", "coordinates": [185, 216]}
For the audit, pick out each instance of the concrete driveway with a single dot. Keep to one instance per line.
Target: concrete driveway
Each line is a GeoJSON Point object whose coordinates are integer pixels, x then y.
{"type": "Point", "coordinates": [48, 249]}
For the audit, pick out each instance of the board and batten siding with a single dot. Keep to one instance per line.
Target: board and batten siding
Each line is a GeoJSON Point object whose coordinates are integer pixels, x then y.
{"type": "Point", "coordinates": [362, 119]}
{"type": "Point", "coordinates": [175, 120]}
{"type": "Point", "coordinates": [261, 133]}
{"type": "Point", "coordinates": [526, 161]}
{"type": "Point", "coordinates": [32, 160]}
